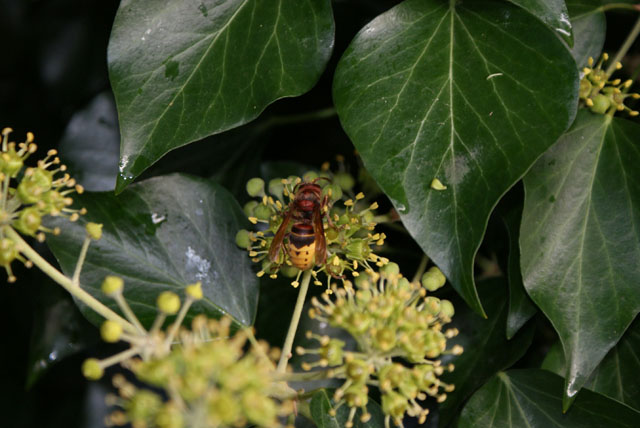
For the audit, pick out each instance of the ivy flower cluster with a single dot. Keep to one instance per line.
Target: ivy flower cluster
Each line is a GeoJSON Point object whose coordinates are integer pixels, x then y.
{"type": "Point", "coordinates": [602, 95]}
{"type": "Point", "coordinates": [390, 318]}
{"type": "Point", "coordinates": [29, 194]}
{"type": "Point", "coordinates": [349, 227]}
{"type": "Point", "coordinates": [208, 378]}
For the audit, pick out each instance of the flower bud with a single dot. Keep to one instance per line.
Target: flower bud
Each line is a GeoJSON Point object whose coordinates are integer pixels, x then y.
{"type": "Point", "coordinates": [168, 302]}
{"type": "Point", "coordinates": [8, 251]}
{"type": "Point", "coordinates": [276, 188]}
{"type": "Point", "coordinates": [94, 230]}
{"type": "Point", "coordinates": [255, 187]}
{"type": "Point", "coordinates": [249, 207]}
{"type": "Point", "coordinates": [242, 239]}
{"type": "Point", "coordinates": [446, 308]}
{"type": "Point", "coordinates": [29, 221]}
{"type": "Point", "coordinates": [262, 212]}
{"type": "Point", "coordinates": [112, 285]}
{"type": "Point", "coordinates": [344, 180]}
{"type": "Point", "coordinates": [390, 270]}
{"type": "Point", "coordinates": [91, 369]}
{"type": "Point", "coordinates": [601, 104]}
{"type": "Point", "coordinates": [433, 279]}
{"type": "Point", "coordinates": [143, 406]}
{"type": "Point", "coordinates": [110, 331]}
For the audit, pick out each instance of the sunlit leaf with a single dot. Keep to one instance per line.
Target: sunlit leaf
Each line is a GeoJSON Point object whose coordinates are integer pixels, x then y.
{"type": "Point", "coordinates": [469, 93]}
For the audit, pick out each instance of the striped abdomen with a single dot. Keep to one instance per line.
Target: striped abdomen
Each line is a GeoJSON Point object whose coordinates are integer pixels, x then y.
{"type": "Point", "coordinates": [302, 246]}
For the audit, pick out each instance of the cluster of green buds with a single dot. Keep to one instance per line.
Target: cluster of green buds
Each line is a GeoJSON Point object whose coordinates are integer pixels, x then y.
{"type": "Point", "coordinates": [348, 222]}
{"type": "Point", "coordinates": [602, 95]}
{"type": "Point", "coordinates": [208, 377]}
{"type": "Point", "coordinates": [390, 318]}
{"type": "Point", "coordinates": [29, 194]}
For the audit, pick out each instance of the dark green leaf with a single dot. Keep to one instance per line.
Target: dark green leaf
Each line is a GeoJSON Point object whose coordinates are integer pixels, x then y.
{"type": "Point", "coordinates": [589, 29]}
{"type": "Point", "coordinates": [481, 339]}
{"type": "Point", "coordinates": [321, 404]}
{"type": "Point", "coordinates": [533, 398]}
{"type": "Point", "coordinates": [182, 71]}
{"type": "Point", "coordinates": [521, 308]}
{"type": "Point", "coordinates": [163, 234]}
{"type": "Point", "coordinates": [617, 375]}
{"type": "Point", "coordinates": [551, 12]}
{"type": "Point", "coordinates": [470, 93]}
{"type": "Point", "coordinates": [90, 144]}
{"type": "Point", "coordinates": [580, 238]}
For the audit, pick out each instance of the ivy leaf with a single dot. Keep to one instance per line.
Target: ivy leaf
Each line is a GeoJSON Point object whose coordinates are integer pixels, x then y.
{"type": "Point", "coordinates": [589, 29]}
{"type": "Point", "coordinates": [521, 308]}
{"type": "Point", "coordinates": [480, 338]}
{"type": "Point", "coordinates": [454, 91]}
{"type": "Point", "coordinates": [580, 239]}
{"type": "Point", "coordinates": [321, 404]}
{"type": "Point", "coordinates": [617, 375]}
{"type": "Point", "coordinates": [182, 71]}
{"type": "Point", "coordinates": [89, 146]}
{"type": "Point", "coordinates": [553, 13]}
{"type": "Point", "coordinates": [532, 398]}
{"type": "Point", "coordinates": [163, 234]}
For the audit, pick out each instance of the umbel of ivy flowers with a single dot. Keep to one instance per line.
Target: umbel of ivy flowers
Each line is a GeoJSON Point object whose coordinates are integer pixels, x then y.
{"type": "Point", "coordinates": [348, 224]}
{"type": "Point", "coordinates": [400, 336]}
{"type": "Point", "coordinates": [29, 193]}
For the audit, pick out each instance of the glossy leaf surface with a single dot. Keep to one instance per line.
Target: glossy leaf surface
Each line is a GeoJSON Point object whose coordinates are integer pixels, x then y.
{"type": "Point", "coordinates": [533, 398]}
{"type": "Point", "coordinates": [470, 93]}
{"type": "Point", "coordinates": [617, 375]}
{"type": "Point", "coordinates": [182, 71]}
{"type": "Point", "coordinates": [480, 339]}
{"type": "Point", "coordinates": [163, 234]}
{"type": "Point", "coordinates": [553, 13]}
{"type": "Point", "coordinates": [321, 404]}
{"type": "Point", "coordinates": [589, 29]}
{"type": "Point", "coordinates": [580, 238]}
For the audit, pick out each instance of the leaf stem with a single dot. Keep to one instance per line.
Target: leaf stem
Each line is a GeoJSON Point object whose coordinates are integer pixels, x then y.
{"type": "Point", "coordinates": [293, 326]}
{"type": "Point", "coordinates": [624, 48]}
{"type": "Point", "coordinates": [626, 6]}
{"type": "Point", "coordinates": [126, 310]}
{"type": "Point", "coordinates": [66, 283]}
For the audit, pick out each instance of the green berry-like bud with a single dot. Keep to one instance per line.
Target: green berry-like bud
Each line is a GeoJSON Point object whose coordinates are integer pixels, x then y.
{"type": "Point", "coordinates": [585, 88]}
{"type": "Point", "coordinates": [168, 302]}
{"type": "Point", "coordinates": [344, 180]}
{"type": "Point", "coordinates": [358, 249]}
{"type": "Point", "coordinates": [242, 239]}
{"type": "Point", "coordinates": [91, 369]}
{"type": "Point", "coordinates": [169, 416]}
{"type": "Point", "coordinates": [289, 271]}
{"type": "Point", "coordinates": [249, 207]}
{"type": "Point", "coordinates": [110, 331]}
{"type": "Point", "coordinates": [276, 188]}
{"type": "Point", "coordinates": [112, 285]}
{"type": "Point", "coordinates": [94, 230]}
{"type": "Point", "coordinates": [29, 192]}
{"type": "Point", "coordinates": [331, 234]}
{"type": "Point", "coordinates": [446, 308]}
{"type": "Point", "coordinates": [356, 395]}
{"type": "Point", "coordinates": [255, 187]}
{"type": "Point", "coordinates": [432, 305]}
{"type": "Point", "coordinates": [601, 104]}
{"type": "Point", "coordinates": [43, 177]}
{"type": "Point", "coordinates": [29, 221]}
{"type": "Point", "coordinates": [194, 290]}
{"type": "Point", "coordinates": [335, 190]}
{"type": "Point", "coordinates": [386, 339]}
{"type": "Point", "coordinates": [394, 405]}
{"type": "Point", "coordinates": [8, 251]}
{"type": "Point", "coordinates": [262, 212]}
{"type": "Point", "coordinates": [143, 406]}
{"type": "Point", "coordinates": [310, 176]}
{"type": "Point", "coordinates": [11, 163]}
{"type": "Point", "coordinates": [433, 279]}
{"type": "Point", "coordinates": [358, 371]}
{"type": "Point", "coordinates": [333, 352]}
{"type": "Point", "coordinates": [390, 270]}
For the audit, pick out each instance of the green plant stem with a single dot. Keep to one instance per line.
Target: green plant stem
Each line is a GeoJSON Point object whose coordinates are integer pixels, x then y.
{"type": "Point", "coordinates": [421, 268]}
{"type": "Point", "coordinates": [295, 319]}
{"type": "Point", "coordinates": [305, 376]}
{"type": "Point", "coordinates": [126, 310]}
{"type": "Point", "coordinates": [124, 355]}
{"type": "Point", "coordinates": [176, 323]}
{"type": "Point", "coordinates": [83, 254]}
{"type": "Point", "coordinates": [624, 48]}
{"type": "Point", "coordinates": [66, 283]}
{"type": "Point", "coordinates": [611, 6]}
